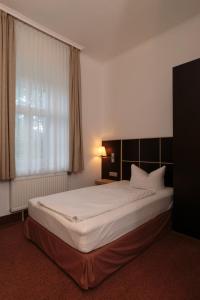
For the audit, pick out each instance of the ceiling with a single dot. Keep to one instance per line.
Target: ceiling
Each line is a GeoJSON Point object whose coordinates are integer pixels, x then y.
{"type": "Point", "coordinates": [106, 28]}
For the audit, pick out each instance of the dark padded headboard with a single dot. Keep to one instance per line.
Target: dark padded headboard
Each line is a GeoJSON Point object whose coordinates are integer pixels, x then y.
{"type": "Point", "coordinates": [148, 153]}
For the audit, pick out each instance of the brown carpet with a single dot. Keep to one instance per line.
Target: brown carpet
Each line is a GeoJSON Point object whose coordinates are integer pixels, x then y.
{"type": "Point", "coordinates": [168, 270]}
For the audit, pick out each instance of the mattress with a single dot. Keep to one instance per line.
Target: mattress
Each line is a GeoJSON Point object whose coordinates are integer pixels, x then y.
{"type": "Point", "coordinates": [98, 231]}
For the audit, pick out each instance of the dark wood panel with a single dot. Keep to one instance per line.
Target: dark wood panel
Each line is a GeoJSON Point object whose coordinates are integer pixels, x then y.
{"type": "Point", "coordinates": [126, 169]}
{"type": "Point", "coordinates": [169, 174]}
{"type": "Point", "coordinates": [149, 167]}
{"type": "Point", "coordinates": [167, 150]}
{"type": "Point", "coordinates": [149, 150]}
{"type": "Point", "coordinates": [186, 108]}
{"type": "Point", "coordinates": [130, 150]}
{"type": "Point", "coordinates": [151, 157]}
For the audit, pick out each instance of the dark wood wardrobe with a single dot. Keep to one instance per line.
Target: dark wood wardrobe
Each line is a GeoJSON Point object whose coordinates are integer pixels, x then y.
{"type": "Point", "coordinates": [186, 148]}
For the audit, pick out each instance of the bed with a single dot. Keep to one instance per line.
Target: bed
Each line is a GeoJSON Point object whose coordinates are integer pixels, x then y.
{"type": "Point", "coordinates": [90, 249]}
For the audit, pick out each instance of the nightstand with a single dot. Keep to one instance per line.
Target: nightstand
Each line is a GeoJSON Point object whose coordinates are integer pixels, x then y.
{"type": "Point", "coordinates": [103, 181]}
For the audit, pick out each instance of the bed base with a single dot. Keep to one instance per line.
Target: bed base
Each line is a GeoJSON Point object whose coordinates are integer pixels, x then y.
{"type": "Point", "coordinates": [90, 269]}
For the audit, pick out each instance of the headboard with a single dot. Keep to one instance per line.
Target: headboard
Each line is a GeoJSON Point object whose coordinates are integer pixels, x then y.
{"type": "Point", "coordinates": [147, 153]}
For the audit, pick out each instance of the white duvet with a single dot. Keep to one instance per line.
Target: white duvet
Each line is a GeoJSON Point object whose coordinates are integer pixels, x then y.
{"type": "Point", "coordinates": [85, 203]}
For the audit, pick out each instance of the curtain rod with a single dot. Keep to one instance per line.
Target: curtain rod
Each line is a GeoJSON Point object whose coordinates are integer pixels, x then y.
{"type": "Point", "coordinates": [39, 27]}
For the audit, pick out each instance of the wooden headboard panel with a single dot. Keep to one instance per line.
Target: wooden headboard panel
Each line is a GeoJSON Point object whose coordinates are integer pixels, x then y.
{"type": "Point", "coordinates": [148, 153]}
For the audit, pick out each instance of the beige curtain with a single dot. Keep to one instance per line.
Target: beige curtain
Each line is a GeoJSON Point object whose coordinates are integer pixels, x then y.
{"type": "Point", "coordinates": [75, 131]}
{"type": "Point", "coordinates": [7, 97]}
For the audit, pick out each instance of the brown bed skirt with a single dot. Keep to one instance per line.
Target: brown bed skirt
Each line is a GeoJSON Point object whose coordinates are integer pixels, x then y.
{"type": "Point", "coordinates": [89, 269]}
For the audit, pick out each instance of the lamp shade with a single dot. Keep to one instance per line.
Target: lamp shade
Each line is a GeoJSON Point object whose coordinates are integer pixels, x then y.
{"type": "Point", "coordinates": [102, 151]}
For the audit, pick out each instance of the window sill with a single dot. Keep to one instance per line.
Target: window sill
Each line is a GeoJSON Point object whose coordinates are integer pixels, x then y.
{"type": "Point", "coordinates": [18, 178]}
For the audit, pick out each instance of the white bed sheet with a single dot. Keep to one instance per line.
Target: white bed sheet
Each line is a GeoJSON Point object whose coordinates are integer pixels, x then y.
{"type": "Point", "coordinates": [98, 231]}
{"type": "Point", "coordinates": [89, 202]}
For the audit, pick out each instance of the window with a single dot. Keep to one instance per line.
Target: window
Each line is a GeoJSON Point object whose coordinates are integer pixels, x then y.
{"type": "Point", "coordinates": [41, 137]}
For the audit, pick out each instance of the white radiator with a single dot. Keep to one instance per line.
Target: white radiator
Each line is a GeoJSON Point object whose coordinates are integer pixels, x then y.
{"type": "Point", "coordinates": [23, 189]}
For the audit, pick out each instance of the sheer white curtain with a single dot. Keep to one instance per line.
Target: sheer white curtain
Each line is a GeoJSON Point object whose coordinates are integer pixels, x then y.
{"type": "Point", "coordinates": [42, 103]}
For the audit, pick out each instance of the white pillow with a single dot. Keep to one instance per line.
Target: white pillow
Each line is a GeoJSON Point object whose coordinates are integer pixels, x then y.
{"type": "Point", "coordinates": [149, 181]}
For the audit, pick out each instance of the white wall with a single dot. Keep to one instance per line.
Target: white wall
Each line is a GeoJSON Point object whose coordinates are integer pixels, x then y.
{"type": "Point", "coordinates": [4, 198]}
{"type": "Point", "coordinates": [92, 129]}
{"type": "Point", "coordinates": [138, 84]}
{"type": "Point", "coordinates": [92, 110]}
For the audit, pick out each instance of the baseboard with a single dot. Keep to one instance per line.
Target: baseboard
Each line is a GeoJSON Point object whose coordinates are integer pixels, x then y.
{"type": "Point", "coordinates": [13, 217]}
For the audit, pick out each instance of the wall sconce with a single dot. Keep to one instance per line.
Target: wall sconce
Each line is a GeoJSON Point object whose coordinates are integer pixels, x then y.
{"type": "Point", "coordinates": [102, 151]}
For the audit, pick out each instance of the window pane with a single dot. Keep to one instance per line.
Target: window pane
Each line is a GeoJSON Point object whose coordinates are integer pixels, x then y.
{"type": "Point", "coordinates": [42, 67]}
